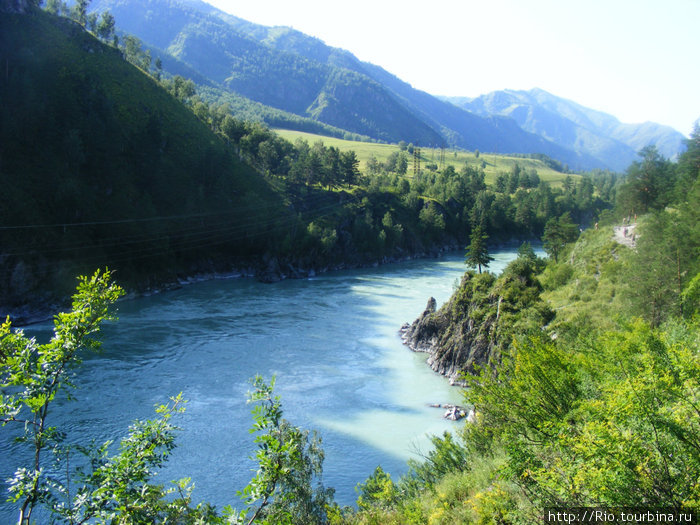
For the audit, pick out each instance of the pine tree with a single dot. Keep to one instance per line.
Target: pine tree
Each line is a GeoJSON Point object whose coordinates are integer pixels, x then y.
{"type": "Point", "coordinates": [477, 252]}
{"type": "Point", "coordinates": [557, 233]}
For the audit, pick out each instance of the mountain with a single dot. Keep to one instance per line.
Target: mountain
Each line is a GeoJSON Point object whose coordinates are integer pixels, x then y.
{"type": "Point", "coordinates": [100, 166]}
{"type": "Point", "coordinates": [216, 47]}
{"type": "Point", "coordinates": [575, 127]}
{"type": "Point", "coordinates": [290, 71]}
{"type": "Point", "coordinates": [462, 128]}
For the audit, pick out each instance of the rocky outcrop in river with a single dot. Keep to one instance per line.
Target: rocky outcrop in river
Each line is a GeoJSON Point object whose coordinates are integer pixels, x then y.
{"type": "Point", "coordinates": [479, 321]}
{"type": "Point", "coordinates": [459, 336]}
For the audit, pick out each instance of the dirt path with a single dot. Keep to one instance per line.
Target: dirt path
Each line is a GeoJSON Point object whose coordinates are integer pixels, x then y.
{"type": "Point", "coordinates": [626, 234]}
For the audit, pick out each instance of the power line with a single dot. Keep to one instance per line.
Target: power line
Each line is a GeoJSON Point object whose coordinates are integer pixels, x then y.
{"type": "Point", "coordinates": [195, 238]}
{"type": "Point", "coordinates": [118, 221]}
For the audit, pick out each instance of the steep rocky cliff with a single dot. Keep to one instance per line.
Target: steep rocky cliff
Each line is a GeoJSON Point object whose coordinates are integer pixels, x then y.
{"type": "Point", "coordinates": [480, 320]}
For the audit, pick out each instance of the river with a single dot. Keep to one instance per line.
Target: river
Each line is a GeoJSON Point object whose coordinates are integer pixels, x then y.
{"type": "Point", "coordinates": [331, 341]}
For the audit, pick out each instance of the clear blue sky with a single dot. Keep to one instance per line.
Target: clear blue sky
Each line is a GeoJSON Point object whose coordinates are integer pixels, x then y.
{"type": "Point", "coordinates": [635, 59]}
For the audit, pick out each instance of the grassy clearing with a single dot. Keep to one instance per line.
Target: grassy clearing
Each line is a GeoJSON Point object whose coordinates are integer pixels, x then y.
{"type": "Point", "coordinates": [493, 164]}
{"type": "Point", "coordinates": [588, 282]}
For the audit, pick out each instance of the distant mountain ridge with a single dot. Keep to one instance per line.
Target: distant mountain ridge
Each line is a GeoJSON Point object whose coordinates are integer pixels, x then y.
{"type": "Point", "coordinates": [576, 127]}
{"type": "Point", "coordinates": [462, 128]}
{"type": "Point", "coordinates": [226, 50]}
{"type": "Point", "coordinates": [285, 69]}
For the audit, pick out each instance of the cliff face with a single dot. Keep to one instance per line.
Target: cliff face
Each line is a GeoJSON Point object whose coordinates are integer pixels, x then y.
{"type": "Point", "coordinates": [479, 321]}
{"type": "Point", "coordinates": [461, 335]}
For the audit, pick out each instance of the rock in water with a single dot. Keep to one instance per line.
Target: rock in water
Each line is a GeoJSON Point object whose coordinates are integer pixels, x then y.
{"type": "Point", "coordinates": [459, 336]}
{"type": "Point", "coordinates": [480, 319]}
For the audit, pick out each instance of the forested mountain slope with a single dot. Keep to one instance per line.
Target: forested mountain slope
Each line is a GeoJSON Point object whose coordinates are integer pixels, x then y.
{"type": "Point", "coordinates": [285, 69]}
{"type": "Point", "coordinates": [216, 46]}
{"type": "Point", "coordinates": [461, 128]}
{"type": "Point", "coordinates": [100, 165]}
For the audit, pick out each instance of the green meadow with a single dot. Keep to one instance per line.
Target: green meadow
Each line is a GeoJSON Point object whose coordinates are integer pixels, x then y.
{"type": "Point", "coordinates": [493, 164]}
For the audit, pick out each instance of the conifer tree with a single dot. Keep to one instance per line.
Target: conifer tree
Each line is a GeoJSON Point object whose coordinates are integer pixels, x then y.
{"type": "Point", "coordinates": [557, 233]}
{"type": "Point", "coordinates": [477, 252]}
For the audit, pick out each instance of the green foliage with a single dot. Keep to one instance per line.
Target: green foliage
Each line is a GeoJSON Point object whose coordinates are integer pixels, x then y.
{"type": "Point", "coordinates": [133, 51]}
{"type": "Point", "coordinates": [432, 221]}
{"type": "Point", "coordinates": [378, 490]}
{"type": "Point", "coordinates": [526, 252]}
{"type": "Point", "coordinates": [56, 7]}
{"type": "Point", "coordinates": [587, 290]}
{"type": "Point", "coordinates": [118, 489]}
{"type": "Point", "coordinates": [34, 374]}
{"type": "Point", "coordinates": [603, 424]}
{"type": "Point", "coordinates": [288, 463]}
{"type": "Point", "coordinates": [688, 167]}
{"type": "Point", "coordinates": [79, 11]}
{"type": "Point", "coordinates": [648, 185]}
{"type": "Point", "coordinates": [477, 252]}
{"type": "Point", "coordinates": [448, 455]}
{"type": "Point", "coordinates": [666, 259]}
{"type": "Point", "coordinates": [691, 297]}
{"type": "Point", "coordinates": [558, 232]}
{"type": "Point", "coordinates": [106, 27]}
{"type": "Point", "coordinates": [543, 386]}
{"type": "Point", "coordinates": [557, 276]}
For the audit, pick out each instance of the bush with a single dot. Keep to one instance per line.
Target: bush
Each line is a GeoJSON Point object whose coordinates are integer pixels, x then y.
{"type": "Point", "coordinates": [557, 275]}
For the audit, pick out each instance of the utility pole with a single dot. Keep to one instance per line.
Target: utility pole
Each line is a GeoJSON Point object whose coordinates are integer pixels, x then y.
{"type": "Point", "coordinates": [416, 161]}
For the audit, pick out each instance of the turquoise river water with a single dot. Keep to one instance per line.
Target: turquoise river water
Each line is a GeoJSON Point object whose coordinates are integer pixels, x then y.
{"type": "Point", "coordinates": [332, 342]}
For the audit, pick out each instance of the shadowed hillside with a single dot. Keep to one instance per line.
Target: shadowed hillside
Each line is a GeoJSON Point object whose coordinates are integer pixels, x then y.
{"type": "Point", "coordinates": [100, 165]}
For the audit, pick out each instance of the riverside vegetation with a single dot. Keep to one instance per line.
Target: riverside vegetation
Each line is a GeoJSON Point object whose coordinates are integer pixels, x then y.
{"type": "Point", "coordinates": [587, 392]}
{"type": "Point", "coordinates": [582, 370]}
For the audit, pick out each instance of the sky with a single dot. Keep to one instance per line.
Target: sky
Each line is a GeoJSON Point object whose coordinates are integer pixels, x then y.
{"type": "Point", "coordinates": [638, 60]}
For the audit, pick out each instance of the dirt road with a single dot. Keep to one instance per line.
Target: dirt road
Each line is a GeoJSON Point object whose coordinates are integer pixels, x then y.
{"type": "Point", "coordinates": [626, 234]}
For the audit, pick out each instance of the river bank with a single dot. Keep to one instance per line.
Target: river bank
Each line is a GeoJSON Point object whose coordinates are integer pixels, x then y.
{"type": "Point", "coordinates": [266, 269]}
{"type": "Point", "coordinates": [471, 328]}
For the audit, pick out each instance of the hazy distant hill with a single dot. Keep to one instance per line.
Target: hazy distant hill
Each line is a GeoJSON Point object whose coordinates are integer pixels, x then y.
{"type": "Point", "coordinates": [285, 69]}
{"type": "Point", "coordinates": [575, 127]}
